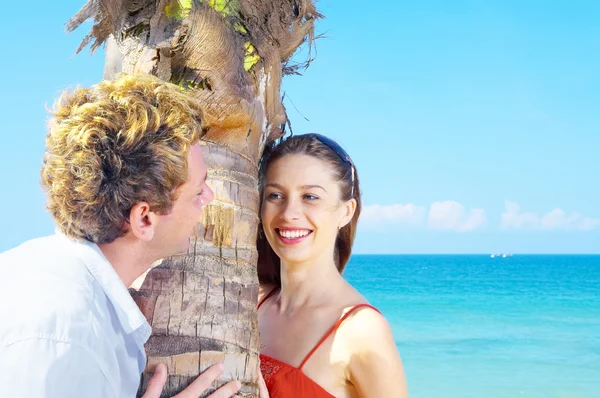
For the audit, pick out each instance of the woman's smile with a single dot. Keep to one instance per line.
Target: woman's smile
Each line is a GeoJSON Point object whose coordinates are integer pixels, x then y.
{"type": "Point", "coordinates": [292, 236]}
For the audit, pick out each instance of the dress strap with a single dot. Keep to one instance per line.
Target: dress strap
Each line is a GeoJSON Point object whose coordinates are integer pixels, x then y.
{"type": "Point", "coordinates": [334, 328]}
{"type": "Point", "coordinates": [272, 292]}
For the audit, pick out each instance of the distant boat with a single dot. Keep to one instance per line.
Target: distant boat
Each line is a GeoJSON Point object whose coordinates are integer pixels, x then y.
{"type": "Point", "coordinates": [492, 256]}
{"type": "Point", "coordinates": [504, 256]}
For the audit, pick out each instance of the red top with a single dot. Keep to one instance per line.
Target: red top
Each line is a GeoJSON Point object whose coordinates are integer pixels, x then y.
{"type": "Point", "coordinates": [286, 381]}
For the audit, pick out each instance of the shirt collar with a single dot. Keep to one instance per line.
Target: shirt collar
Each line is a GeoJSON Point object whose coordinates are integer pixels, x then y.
{"type": "Point", "coordinates": [130, 316]}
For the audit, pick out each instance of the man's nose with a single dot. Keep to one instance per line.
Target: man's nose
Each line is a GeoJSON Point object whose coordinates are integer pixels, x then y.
{"type": "Point", "coordinates": [210, 195]}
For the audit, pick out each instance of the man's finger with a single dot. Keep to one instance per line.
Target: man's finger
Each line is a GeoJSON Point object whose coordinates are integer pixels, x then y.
{"type": "Point", "coordinates": [202, 382]}
{"type": "Point", "coordinates": [227, 390]}
{"type": "Point", "coordinates": [263, 392]}
{"type": "Point", "coordinates": [157, 382]}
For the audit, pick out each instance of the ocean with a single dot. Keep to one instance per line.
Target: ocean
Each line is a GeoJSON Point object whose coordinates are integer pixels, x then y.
{"type": "Point", "coordinates": [526, 326]}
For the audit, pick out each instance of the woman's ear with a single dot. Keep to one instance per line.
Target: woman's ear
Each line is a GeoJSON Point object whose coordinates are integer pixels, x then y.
{"type": "Point", "coordinates": [142, 221]}
{"type": "Point", "coordinates": [349, 209]}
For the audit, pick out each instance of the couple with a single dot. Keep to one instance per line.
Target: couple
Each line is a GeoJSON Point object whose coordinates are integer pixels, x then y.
{"type": "Point", "coordinates": [126, 183]}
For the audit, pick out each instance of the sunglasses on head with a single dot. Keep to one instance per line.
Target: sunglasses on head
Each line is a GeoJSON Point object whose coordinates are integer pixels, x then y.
{"type": "Point", "coordinates": [335, 147]}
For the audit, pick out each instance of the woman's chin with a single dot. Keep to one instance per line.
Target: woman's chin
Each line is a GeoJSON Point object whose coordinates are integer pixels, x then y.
{"type": "Point", "coordinates": [293, 256]}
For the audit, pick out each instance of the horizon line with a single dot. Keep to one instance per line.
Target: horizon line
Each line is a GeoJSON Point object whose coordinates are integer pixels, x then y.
{"type": "Point", "coordinates": [474, 254]}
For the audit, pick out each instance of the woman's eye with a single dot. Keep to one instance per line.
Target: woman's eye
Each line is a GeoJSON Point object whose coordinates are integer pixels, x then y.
{"type": "Point", "coordinates": [274, 195]}
{"type": "Point", "coordinates": [309, 196]}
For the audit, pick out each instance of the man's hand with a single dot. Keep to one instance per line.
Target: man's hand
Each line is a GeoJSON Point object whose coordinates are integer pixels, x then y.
{"type": "Point", "coordinates": [198, 386]}
{"type": "Point", "coordinates": [262, 387]}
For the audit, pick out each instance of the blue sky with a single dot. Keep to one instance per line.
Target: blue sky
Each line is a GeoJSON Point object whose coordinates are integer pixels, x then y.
{"type": "Point", "coordinates": [474, 125]}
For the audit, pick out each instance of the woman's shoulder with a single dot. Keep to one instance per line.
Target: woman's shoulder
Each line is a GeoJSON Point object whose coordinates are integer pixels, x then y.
{"type": "Point", "coordinates": [355, 308]}
{"type": "Point", "coordinates": [371, 351]}
{"type": "Point", "coordinates": [264, 289]}
{"type": "Point", "coordinates": [366, 329]}
{"type": "Point", "coordinates": [364, 316]}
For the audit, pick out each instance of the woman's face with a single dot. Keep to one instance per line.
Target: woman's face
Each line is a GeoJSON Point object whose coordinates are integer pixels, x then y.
{"type": "Point", "coordinates": [302, 210]}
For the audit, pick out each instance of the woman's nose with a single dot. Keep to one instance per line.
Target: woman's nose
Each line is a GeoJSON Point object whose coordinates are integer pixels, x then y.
{"type": "Point", "coordinates": [291, 210]}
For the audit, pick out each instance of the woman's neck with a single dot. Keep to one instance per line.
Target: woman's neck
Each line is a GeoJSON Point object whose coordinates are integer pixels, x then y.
{"type": "Point", "coordinates": [307, 285]}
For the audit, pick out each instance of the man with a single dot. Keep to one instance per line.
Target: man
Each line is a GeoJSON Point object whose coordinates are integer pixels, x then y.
{"type": "Point", "coordinates": [126, 183]}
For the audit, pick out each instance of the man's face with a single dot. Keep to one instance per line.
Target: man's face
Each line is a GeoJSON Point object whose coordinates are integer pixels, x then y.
{"type": "Point", "coordinates": [173, 231]}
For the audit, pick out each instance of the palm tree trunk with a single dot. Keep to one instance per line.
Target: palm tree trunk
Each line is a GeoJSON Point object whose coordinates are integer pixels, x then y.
{"type": "Point", "coordinates": [230, 56]}
{"type": "Point", "coordinates": [202, 306]}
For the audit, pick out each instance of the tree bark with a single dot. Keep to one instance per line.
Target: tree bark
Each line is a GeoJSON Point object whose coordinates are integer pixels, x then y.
{"type": "Point", "coordinates": [202, 306]}
{"type": "Point", "coordinates": [230, 56]}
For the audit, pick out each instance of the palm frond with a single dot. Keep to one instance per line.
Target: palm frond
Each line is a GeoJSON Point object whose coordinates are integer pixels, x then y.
{"type": "Point", "coordinates": [220, 49]}
{"type": "Point", "coordinates": [285, 24]}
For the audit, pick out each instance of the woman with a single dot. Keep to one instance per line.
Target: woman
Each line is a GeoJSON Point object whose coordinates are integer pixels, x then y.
{"type": "Point", "coordinates": [320, 338]}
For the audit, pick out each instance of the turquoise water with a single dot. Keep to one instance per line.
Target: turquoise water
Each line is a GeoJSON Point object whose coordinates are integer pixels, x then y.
{"type": "Point", "coordinates": [475, 326]}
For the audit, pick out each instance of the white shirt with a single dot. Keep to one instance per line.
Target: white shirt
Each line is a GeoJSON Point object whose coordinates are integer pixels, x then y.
{"type": "Point", "coordinates": [68, 326]}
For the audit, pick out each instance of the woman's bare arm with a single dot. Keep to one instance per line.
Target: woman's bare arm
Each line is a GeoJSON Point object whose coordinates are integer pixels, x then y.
{"type": "Point", "coordinates": [375, 367]}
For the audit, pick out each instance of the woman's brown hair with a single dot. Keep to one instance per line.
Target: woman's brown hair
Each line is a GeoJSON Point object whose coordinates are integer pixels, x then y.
{"type": "Point", "coordinates": [343, 171]}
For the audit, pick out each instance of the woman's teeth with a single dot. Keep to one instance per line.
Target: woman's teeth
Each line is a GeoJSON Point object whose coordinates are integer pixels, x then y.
{"type": "Point", "coordinates": [293, 234]}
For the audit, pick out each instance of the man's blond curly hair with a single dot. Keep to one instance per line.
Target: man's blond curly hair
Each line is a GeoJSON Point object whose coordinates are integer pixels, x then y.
{"type": "Point", "coordinates": [111, 146]}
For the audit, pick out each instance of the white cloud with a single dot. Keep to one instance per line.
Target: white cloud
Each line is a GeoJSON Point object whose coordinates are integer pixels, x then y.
{"type": "Point", "coordinates": [396, 213]}
{"type": "Point", "coordinates": [557, 219]}
{"type": "Point", "coordinates": [451, 215]}
{"type": "Point", "coordinates": [513, 218]}
{"type": "Point", "coordinates": [448, 215]}
{"type": "Point", "coordinates": [587, 224]}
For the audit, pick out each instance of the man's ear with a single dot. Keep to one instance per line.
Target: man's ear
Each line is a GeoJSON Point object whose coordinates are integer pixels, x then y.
{"type": "Point", "coordinates": [350, 208]}
{"type": "Point", "coordinates": [142, 221]}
